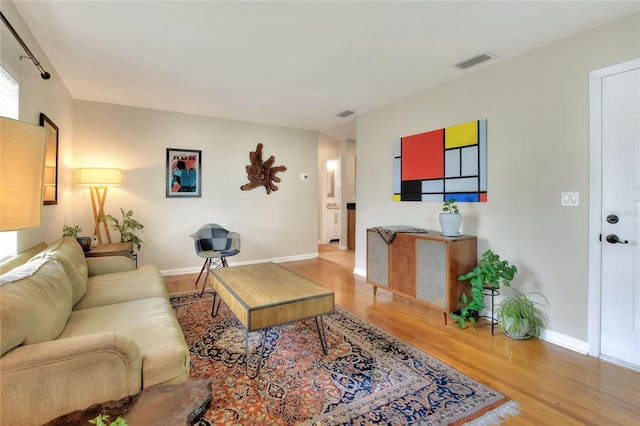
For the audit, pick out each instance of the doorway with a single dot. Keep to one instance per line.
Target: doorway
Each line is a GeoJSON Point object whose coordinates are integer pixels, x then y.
{"type": "Point", "coordinates": [614, 224]}
{"type": "Point", "coordinates": [332, 200]}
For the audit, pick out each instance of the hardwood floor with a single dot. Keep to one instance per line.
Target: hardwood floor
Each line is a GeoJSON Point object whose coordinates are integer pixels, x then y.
{"type": "Point", "coordinates": [553, 385]}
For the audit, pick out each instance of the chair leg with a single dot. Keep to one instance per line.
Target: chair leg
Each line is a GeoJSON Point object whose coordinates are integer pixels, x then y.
{"type": "Point", "coordinates": [206, 262]}
{"type": "Point", "coordinates": [224, 262]}
{"type": "Point", "coordinates": [215, 308]}
{"type": "Point", "coordinates": [206, 279]}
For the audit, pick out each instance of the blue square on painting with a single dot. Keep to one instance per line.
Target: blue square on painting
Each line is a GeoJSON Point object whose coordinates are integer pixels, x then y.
{"type": "Point", "coordinates": [465, 197]}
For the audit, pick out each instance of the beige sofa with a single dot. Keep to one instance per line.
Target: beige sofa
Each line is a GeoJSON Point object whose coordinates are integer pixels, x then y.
{"type": "Point", "coordinates": [76, 331]}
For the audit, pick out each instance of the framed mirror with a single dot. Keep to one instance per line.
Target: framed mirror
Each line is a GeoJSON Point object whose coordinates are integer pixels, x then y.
{"type": "Point", "coordinates": [50, 184]}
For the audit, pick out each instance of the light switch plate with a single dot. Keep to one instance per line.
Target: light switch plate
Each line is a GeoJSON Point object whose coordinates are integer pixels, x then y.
{"type": "Point", "coordinates": [570, 199]}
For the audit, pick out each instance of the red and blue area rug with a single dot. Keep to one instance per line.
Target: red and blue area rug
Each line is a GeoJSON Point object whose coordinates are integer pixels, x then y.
{"type": "Point", "coordinates": [369, 377]}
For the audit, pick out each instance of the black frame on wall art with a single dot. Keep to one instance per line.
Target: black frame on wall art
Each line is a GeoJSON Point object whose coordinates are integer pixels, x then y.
{"type": "Point", "coordinates": [50, 185]}
{"type": "Point", "coordinates": [184, 173]}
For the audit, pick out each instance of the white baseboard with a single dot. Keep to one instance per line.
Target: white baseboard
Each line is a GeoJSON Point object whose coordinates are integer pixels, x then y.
{"type": "Point", "coordinates": [196, 269]}
{"type": "Point", "coordinates": [556, 338]}
{"type": "Point", "coordinates": [620, 363]}
{"type": "Point", "coordinates": [180, 271]}
{"type": "Point", "coordinates": [565, 341]}
{"type": "Point", "coordinates": [361, 272]}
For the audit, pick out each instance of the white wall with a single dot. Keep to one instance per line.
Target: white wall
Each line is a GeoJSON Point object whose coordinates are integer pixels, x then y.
{"type": "Point", "coordinates": [537, 111]}
{"type": "Point", "coordinates": [278, 226]}
{"type": "Point", "coordinates": [50, 97]}
{"type": "Point", "coordinates": [275, 226]}
{"type": "Point", "coordinates": [538, 146]}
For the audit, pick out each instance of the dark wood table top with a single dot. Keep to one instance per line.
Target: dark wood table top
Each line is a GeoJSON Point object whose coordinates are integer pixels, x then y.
{"type": "Point", "coordinates": [170, 405]}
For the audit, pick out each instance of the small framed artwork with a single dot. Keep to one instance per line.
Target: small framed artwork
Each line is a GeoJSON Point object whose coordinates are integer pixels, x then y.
{"type": "Point", "coordinates": [50, 183]}
{"type": "Point", "coordinates": [184, 172]}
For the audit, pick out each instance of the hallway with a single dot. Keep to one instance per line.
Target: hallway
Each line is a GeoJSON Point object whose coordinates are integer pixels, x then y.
{"type": "Point", "coordinates": [332, 253]}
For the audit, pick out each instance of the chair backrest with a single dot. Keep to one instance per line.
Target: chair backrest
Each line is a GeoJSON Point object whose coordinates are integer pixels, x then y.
{"type": "Point", "coordinates": [211, 237]}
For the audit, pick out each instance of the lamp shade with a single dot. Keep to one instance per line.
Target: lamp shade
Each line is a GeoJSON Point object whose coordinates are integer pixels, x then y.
{"type": "Point", "coordinates": [100, 177]}
{"type": "Point", "coordinates": [22, 148]}
{"type": "Point", "coordinates": [49, 175]}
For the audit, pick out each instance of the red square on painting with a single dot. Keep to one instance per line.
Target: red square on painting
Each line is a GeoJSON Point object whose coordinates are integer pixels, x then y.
{"type": "Point", "coordinates": [423, 156]}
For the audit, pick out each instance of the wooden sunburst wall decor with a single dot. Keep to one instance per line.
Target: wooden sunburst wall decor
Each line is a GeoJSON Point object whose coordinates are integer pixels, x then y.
{"type": "Point", "coordinates": [262, 173]}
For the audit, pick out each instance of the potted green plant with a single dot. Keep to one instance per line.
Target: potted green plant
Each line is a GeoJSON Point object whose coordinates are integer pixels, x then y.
{"type": "Point", "coordinates": [71, 231]}
{"type": "Point", "coordinates": [450, 218]}
{"type": "Point", "coordinates": [74, 231]}
{"type": "Point", "coordinates": [103, 420]}
{"type": "Point", "coordinates": [491, 272]}
{"type": "Point", "coordinates": [126, 228]}
{"type": "Point", "coordinates": [520, 317]}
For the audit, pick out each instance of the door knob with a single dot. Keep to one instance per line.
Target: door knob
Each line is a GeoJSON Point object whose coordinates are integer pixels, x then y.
{"type": "Point", "coordinates": [613, 239]}
{"type": "Point", "coordinates": [612, 218]}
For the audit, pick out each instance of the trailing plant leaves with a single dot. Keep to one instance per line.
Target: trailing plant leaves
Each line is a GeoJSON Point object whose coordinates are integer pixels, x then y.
{"type": "Point", "coordinates": [491, 272]}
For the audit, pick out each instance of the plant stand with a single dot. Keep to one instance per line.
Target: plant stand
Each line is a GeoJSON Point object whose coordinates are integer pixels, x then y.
{"type": "Point", "coordinates": [492, 292]}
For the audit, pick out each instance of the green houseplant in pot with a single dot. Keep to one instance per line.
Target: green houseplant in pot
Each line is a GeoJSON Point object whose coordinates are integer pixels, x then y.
{"type": "Point", "coordinates": [520, 317]}
{"type": "Point", "coordinates": [126, 227]}
{"type": "Point", "coordinates": [74, 231]}
{"type": "Point", "coordinates": [450, 218]}
{"type": "Point", "coordinates": [491, 272]}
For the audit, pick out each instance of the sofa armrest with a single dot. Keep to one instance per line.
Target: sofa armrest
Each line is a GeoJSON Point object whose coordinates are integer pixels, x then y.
{"type": "Point", "coordinates": [109, 264]}
{"type": "Point", "coordinates": [45, 380]}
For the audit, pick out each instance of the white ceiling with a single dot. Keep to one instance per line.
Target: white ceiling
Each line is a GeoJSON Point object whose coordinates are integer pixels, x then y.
{"type": "Point", "coordinates": [293, 63]}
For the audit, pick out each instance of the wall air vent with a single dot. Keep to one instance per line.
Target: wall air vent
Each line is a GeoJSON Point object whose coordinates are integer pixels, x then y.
{"type": "Point", "coordinates": [344, 113]}
{"type": "Point", "coordinates": [474, 61]}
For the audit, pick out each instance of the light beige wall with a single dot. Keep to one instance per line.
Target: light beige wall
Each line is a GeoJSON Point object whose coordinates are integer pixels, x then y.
{"type": "Point", "coordinates": [279, 225]}
{"type": "Point", "coordinates": [538, 146]}
{"type": "Point", "coordinates": [37, 95]}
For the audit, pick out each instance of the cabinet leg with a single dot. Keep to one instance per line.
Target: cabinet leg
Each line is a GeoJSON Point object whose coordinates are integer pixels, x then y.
{"type": "Point", "coordinates": [445, 318]}
{"type": "Point", "coordinates": [375, 290]}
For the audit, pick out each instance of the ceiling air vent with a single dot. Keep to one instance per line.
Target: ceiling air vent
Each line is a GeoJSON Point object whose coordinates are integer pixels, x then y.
{"type": "Point", "coordinates": [474, 61]}
{"type": "Point", "coordinates": [344, 113]}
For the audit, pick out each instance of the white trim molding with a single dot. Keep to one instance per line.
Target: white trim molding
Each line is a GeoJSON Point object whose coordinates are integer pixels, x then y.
{"type": "Point", "coordinates": [595, 200]}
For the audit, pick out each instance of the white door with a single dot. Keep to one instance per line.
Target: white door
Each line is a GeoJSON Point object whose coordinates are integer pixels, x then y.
{"type": "Point", "coordinates": [620, 217]}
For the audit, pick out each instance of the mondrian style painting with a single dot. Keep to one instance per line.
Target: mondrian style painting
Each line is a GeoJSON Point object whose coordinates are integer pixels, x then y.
{"type": "Point", "coordinates": [442, 164]}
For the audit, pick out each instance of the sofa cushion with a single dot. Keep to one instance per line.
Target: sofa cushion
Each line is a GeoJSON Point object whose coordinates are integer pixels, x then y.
{"type": "Point", "coordinates": [120, 287]}
{"type": "Point", "coordinates": [109, 264]}
{"type": "Point", "coordinates": [34, 308]}
{"type": "Point", "coordinates": [150, 323]}
{"type": "Point", "coordinates": [68, 252]}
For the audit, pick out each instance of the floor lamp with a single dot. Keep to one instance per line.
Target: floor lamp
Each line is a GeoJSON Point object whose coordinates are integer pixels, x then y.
{"type": "Point", "coordinates": [22, 147]}
{"type": "Point", "coordinates": [99, 181]}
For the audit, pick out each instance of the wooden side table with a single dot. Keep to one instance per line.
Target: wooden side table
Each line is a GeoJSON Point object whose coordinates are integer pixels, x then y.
{"type": "Point", "coordinates": [113, 249]}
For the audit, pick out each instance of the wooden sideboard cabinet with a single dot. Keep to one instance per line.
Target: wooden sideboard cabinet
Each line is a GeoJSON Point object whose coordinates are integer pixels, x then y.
{"type": "Point", "coordinates": [422, 266]}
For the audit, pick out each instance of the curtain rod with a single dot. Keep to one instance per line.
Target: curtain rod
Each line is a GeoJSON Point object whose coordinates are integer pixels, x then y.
{"type": "Point", "coordinates": [45, 75]}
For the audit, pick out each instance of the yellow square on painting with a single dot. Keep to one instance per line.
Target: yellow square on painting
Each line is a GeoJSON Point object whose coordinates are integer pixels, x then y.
{"type": "Point", "coordinates": [461, 135]}
{"type": "Point", "coordinates": [396, 198]}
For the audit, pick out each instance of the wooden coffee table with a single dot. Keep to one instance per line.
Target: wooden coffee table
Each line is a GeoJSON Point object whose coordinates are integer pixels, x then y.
{"type": "Point", "coordinates": [265, 295]}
